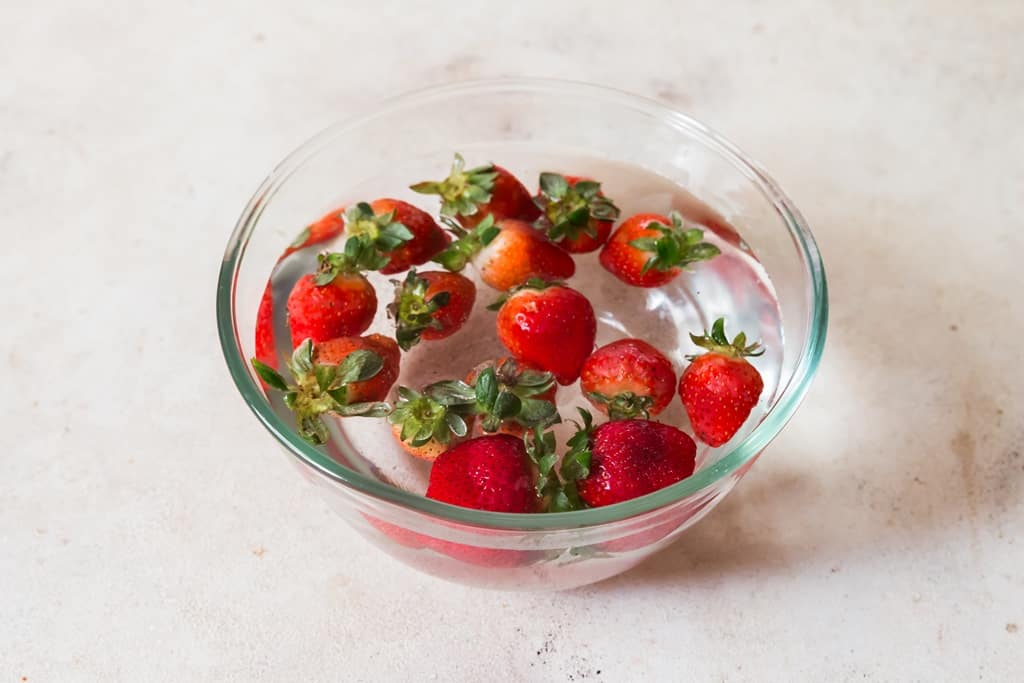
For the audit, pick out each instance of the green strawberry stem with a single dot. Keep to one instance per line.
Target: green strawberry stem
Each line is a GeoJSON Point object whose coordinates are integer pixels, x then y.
{"type": "Point", "coordinates": [717, 342]}
{"type": "Point", "coordinates": [321, 388]}
{"type": "Point", "coordinates": [424, 419]}
{"type": "Point", "coordinates": [467, 243]}
{"type": "Point", "coordinates": [677, 247]}
{"type": "Point", "coordinates": [372, 236]}
{"type": "Point", "coordinates": [463, 191]}
{"type": "Point", "coordinates": [412, 311]}
{"type": "Point", "coordinates": [559, 489]}
{"type": "Point", "coordinates": [496, 399]}
{"type": "Point", "coordinates": [567, 209]}
{"type": "Point", "coordinates": [625, 405]}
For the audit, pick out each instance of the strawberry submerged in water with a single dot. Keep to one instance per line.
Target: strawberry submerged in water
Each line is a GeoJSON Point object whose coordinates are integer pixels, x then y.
{"type": "Point", "coordinates": [575, 214]}
{"type": "Point", "coordinates": [628, 378]}
{"type": "Point", "coordinates": [491, 472]}
{"type": "Point", "coordinates": [548, 326]}
{"type": "Point", "coordinates": [430, 305]}
{"type": "Point", "coordinates": [470, 195]}
{"type": "Point", "coordinates": [507, 253]}
{"type": "Point", "coordinates": [393, 235]}
{"type": "Point", "coordinates": [720, 388]}
{"type": "Point", "coordinates": [625, 459]}
{"type": "Point", "coordinates": [345, 377]}
{"type": "Point", "coordinates": [650, 250]}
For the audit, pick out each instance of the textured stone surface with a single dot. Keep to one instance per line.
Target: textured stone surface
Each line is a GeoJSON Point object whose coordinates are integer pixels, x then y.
{"type": "Point", "coordinates": [149, 530]}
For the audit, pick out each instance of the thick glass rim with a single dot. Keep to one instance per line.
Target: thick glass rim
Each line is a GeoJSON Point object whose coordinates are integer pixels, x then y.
{"type": "Point", "coordinates": [773, 422]}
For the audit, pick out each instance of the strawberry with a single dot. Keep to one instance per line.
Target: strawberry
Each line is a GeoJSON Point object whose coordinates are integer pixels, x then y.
{"type": "Point", "coordinates": [576, 216]}
{"type": "Point", "coordinates": [720, 388]}
{"type": "Point", "coordinates": [650, 250]}
{"type": "Point", "coordinates": [535, 390]}
{"type": "Point", "coordinates": [431, 305]}
{"type": "Point", "coordinates": [335, 351]}
{"type": "Point", "coordinates": [548, 326]}
{"type": "Point", "coordinates": [507, 254]}
{"type": "Point", "coordinates": [628, 378]}
{"type": "Point", "coordinates": [486, 473]}
{"type": "Point", "coordinates": [390, 235]}
{"type": "Point", "coordinates": [342, 378]}
{"type": "Point", "coordinates": [336, 301]}
{"type": "Point", "coordinates": [426, 427]}
{"type": "Point", "coordinates": [328, 227]}
{"type": "Point", "coordinates": [624, 459]}
{"type": "Point", "coordinates": [469, 196]}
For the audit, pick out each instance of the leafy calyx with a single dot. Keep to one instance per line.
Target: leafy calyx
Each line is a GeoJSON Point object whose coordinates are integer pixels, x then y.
{"type": "Point", "coordinates": [412, 311]}
{"type": "Point", "coordinates": [568, 209]}
{"type": "Point", "coordinates": [625, 405]}
{"type": "Point", "coordinates": [677, 245]}
{"type": "Point", "coordinates": [467, 243]}
{"type": "Point", "coordinates": [464, 190]}
{"type": "Point", "coordinates": [534, 283]}
{"type": "Point", "coordinates": [424, 419]}
{"type": "Point", "coordinates": [320, 388]}
{"type": "Point", "coordinates": [717, 342]}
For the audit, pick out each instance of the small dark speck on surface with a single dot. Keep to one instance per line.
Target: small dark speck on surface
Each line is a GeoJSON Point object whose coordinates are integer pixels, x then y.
{"type": "Point", "coordinates": [259, 38]}
{"type": "Point", "coordinates": [1011, 628]}
{"type": "Point", "coordinates": [954, 327]}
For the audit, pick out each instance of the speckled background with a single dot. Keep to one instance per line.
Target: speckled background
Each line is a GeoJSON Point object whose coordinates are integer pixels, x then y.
{"type": "Point", "coordinates": [150, 531]}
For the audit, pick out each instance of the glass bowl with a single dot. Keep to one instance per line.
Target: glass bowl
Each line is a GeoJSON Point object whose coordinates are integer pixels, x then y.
{"type": "Point", "coordinates": [412, 137]}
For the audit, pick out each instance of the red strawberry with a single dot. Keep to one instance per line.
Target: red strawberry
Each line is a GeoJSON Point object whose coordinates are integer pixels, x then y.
{"type": "Point", "coordinates": [471, 195]}
{"type": "Point", "coordinates": [548, 326]}
{"type": "Point", "coordinates": [337, 301]}
{"type": "Point", "coordinates": [425, 238]}
{"type": "Point", "coordinates": [628, 378]}
{"type": "Point", "coordinates": [346, 377]}
{"type": "Point", "coordinates": [576, 216]}
{"type": "Point", "coordinates": [720, 388]}
{"type": "Point", "coordinates": [624, 459]}
{"type": "Point", "coordinates": [486, 473]}
{"type": "Point", "coordinates": [650, 250]}
{"type": "Point", "coordinates": [328, 227]}
{"type": "Point", "coordinates": [507, 254]}
{"type": "Point", "coordinates": [431, 305]}
{"type": "Point", "coordinates": [376, 388]}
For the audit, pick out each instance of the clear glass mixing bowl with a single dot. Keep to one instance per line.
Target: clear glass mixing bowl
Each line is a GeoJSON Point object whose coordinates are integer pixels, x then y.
{"type": "Point", "coordinates": [403, 137]}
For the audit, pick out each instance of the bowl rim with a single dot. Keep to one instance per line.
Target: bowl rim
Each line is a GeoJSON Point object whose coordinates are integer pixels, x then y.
{"type": "Point", "coordinates": [774, 420]}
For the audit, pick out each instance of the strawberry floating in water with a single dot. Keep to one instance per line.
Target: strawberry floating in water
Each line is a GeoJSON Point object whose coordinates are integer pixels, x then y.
{"type": "Point", "coordinates": [628, 378]}
{"type": "Point", "coordinates": [470, 195]}
{"type": "Point", "coordinates": [507, 253]}
{"type": "Point", "coordinates": [490, 472]}
{"type": "Point", "coordinates": [426, 427]}
{"type": "Point", "coordinates": [393, 235]}
{"type": "Point", "coordinates": [336, 301]}
{"type": "Point", "coordinates": [547, 326]}
{"type": "Point", "coordinates": [650, 250]}
{"type": "Point", "coordinates": [535, 389]}
{"type": "Point", "coordinates": [575, 215]}
{"type": "Point", "coordinates": [624, 459]}
{"type": "Point", "coordinates": [430, 305]}
{"type": "Point", "coordinates": [345, 378]}
{"type": "Point", "coordinates": [720, 388]}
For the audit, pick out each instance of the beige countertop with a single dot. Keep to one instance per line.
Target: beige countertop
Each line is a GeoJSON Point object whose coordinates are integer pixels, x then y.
{"type": "Point", "coordinates": [150, 530]}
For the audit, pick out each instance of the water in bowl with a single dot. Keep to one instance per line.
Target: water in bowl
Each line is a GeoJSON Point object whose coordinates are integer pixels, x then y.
{"type": "Point", "coordinates": [733, 285]}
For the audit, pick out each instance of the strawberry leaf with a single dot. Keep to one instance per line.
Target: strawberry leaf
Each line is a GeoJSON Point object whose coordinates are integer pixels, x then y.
{"type": "Point", "coordinates": [269, 375]}
{"type": "Point", "coordinates": [675, 247]}
{"type": "Point", "coordinates": [358, 366]}
{"type": "Point", "coordinates": [463, 191]}
{"type": "Point", "coordinates": [717, 342]}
